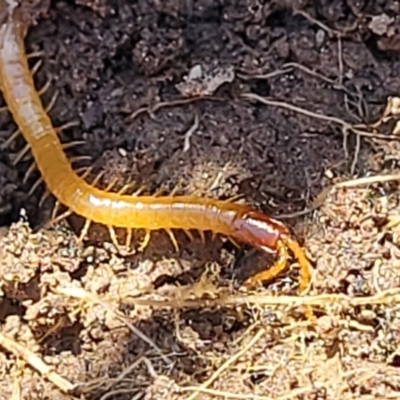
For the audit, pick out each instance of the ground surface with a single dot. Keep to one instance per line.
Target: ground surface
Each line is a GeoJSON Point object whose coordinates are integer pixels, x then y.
{"type": "Point", "coordinates": [69, 304]}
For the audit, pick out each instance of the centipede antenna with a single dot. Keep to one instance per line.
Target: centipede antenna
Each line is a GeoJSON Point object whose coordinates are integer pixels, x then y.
{"type": "Point", "coordinates": [128, 238]}
{"type": "Point", "coordinates": [21, 154]}
{"type": "Point", "coordinates": [13, 136]}
{"type": "Point", "coordinates": [145, 241]}
{"type": "Point", "coordinates": [173, 239]}
{"type": "Point", "coordinates": [36, 67]}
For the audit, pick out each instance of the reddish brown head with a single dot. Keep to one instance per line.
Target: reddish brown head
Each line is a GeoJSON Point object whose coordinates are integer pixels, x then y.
{"type": "Point", "coordinates": [258, 230]}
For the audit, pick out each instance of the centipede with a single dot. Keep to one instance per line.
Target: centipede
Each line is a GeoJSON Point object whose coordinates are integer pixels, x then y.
{"type": "Point", "coordinates": [129, 211]}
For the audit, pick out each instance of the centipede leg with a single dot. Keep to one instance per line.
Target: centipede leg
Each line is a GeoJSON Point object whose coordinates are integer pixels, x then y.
{"type": "Point", "coordinates": [35, 185]}
{"type": "Point", "coordinates": [87, 224]}
{"type": "Point", "coordinates": [65, 126]}
{"type": "Point", "coordinates": [21, 154]}
{"type": "Point", "coordinates": [70, 145]}
{"type": "Point", "coordinates": [38, 53]}
{"type": "Point", "coordinates": [146, 240]}
{"type": "Point", "coordinates": [174, 190]}
{"type": "Point", "coordinates": [84, 231]}
{"type": "Point", "coordinates": [275, 270]}
{"type": "Point", "coordinates": [234, 198]}
{"type": "Point", "coordinates": [202, 237]}
{"type": "Point", "coordinates": [28, 173]}
{"type": "Point", "coordinates": [188, 234]}
{"type": "Point", "coordinates": [36, 67]}
{"type": "Point", "coordinates": [111, 184]}
{"type": "Point", "coordinates": [280, 264]}
{"type": "Point", "coordinates": [55, 220]}
{"type": "Point", "coordinates": [13, 136]}
{"type": "Point", "coordinates": [96, 179]}
{"type": "Point", "coordinates": [128, 238]}
{"type": "Point", "coordinates": [234, 242]}
{"type": "Point", "coordinates": [298, 252]}
{"type": "Point", "coordinates": [111, 230]}
{"type": "Point", "coordinates": [139, 191]}
{"type": "Point", "coordinates": [173, 239]}
{"type": "Point", "coordinates": [126, 188]}
{"type": "Point", "coordinates": [76, 159]}
{"type": "Point", "coordinates": [52, 102]}
{"type": "Point", "coordinates": [159, 192]}
{"type": "Point", "coordinates": [45, 87]}
{"type": "Point", "coordinates": [114, 239]}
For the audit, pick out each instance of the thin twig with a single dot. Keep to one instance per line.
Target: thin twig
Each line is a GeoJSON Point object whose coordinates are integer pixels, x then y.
{"type": "Point", "coordinates": [227, 363]}
{"type": "Point", "coordinates": [356, 154]}
{"type": "Point", "coordinates": [37, 364]}
{"type": "Point", "coordinates": [190, 132]}
{"type": "Point", "coordinates": [384, 297]}
{"type": "Point", "coordinates": [368, 180]}
{"type": "Point", "coordinates": [170, 103]}
{"type": "Point", "coordinates": [269, 75]}
{"type": "Point", "coordinates": [293, 394]}
{"type": "Point", "coordinates": [338, 121]}
{"type": "Point", "coordinates": [90, 297]}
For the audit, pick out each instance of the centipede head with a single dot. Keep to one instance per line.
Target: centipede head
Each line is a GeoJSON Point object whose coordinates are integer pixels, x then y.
{"type": "Point", "coordinates": [261, 231]}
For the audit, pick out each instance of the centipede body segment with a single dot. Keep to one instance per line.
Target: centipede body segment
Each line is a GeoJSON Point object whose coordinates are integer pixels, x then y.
{"type": "Point", "coordinates": [120, 210]}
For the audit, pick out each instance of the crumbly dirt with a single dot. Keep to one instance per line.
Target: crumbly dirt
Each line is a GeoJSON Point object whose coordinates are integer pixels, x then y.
{"type": "Point", "coordinates": [164, 324]}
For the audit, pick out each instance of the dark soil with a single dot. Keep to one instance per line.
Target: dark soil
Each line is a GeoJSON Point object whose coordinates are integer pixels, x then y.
{"type": "Point", "coordinates": [118, 71]}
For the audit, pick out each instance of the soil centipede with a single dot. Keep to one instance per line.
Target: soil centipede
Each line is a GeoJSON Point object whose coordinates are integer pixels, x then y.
{"type": "Point", "coordinates": [118, 210]}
